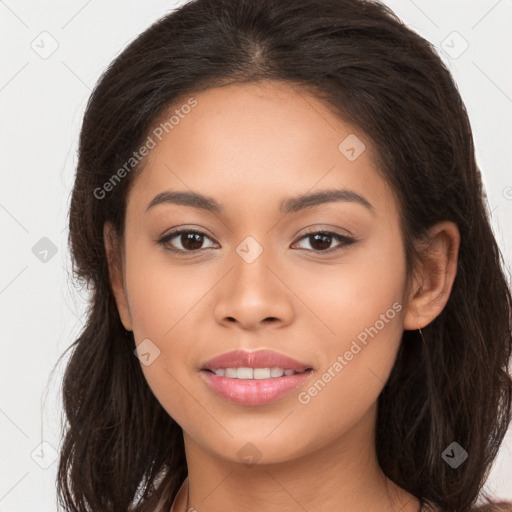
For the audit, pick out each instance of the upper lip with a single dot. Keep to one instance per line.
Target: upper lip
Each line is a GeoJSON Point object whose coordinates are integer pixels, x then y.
{"type": "Point", "coordinates": [257, 359]}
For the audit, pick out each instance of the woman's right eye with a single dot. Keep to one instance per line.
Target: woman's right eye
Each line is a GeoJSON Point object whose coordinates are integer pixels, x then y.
{"type": "Point", "coordinates": [190, 240]}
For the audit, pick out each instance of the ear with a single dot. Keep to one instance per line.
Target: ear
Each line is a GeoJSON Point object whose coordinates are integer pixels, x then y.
{"type": "Point", "coordinates": [433, 281]}
{"type": "Point", "coordinates": [114, 253]}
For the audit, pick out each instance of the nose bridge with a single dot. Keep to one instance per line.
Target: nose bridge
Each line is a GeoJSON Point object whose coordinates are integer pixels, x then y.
{"type": "Point", "coordinates": [251, 273]}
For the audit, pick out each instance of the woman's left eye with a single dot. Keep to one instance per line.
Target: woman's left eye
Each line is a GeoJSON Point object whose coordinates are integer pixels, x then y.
{"type": "Point", "coordinates": [192, 240]}
{"type": "Point", "coordinates": [323, 239]}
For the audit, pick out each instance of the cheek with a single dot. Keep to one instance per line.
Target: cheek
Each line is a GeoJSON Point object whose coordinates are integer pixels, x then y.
{"type": "Point", "coordinates": [360, 303]}
{"type": "Point", "coordinates": [355, 372]}
{"type": "Point", "coordinates": [165, 301]}
{"type": "Point", "coordinates": [162, 299]}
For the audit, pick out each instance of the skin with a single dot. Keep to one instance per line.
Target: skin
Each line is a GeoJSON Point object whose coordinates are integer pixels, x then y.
{"type": "Point", "coordinates": [250, 147]}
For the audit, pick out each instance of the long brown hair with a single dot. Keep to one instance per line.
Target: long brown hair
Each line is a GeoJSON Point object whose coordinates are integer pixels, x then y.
{"type": "Point", "coordinates": [120, 445]}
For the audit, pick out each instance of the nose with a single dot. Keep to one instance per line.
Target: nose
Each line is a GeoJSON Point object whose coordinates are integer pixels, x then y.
{"type": "Point", "coordinates": [254, 294]}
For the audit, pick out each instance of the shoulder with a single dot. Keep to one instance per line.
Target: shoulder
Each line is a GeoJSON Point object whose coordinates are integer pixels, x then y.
{"type": "Point", "coordinates": [501, 506]}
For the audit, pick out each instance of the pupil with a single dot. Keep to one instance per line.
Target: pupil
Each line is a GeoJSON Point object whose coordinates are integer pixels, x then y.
{"type": "Point", "coordinates": [187, 240]}
{"type": "Point", "coordinates": [322, 245]}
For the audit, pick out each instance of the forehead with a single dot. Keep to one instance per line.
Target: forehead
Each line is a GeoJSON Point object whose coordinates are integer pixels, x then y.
{"type": "Point", "coordinates": [258, 143]}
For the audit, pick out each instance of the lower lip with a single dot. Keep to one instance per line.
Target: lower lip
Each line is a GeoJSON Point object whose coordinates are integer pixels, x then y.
{"type": "Point", "coordinates": [254, 391]}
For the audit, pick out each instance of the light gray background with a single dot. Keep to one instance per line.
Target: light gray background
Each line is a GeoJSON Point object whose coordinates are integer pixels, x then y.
{"type": "Point", "coordinates": [43, 98]}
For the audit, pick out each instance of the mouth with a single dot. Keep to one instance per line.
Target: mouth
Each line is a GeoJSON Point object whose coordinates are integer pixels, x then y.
{"type": "Point", "coordinates": [254, 378]}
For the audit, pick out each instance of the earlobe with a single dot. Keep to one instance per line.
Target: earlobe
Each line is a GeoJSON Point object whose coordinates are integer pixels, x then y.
{"type": "Point", "coordinates": [432, 288]}
{"type": "Point", "coordinates": [115, 269]}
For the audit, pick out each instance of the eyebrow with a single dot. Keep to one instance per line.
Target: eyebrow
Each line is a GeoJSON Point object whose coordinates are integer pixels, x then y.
{"type": "Point", "coordinates": [290, 205]}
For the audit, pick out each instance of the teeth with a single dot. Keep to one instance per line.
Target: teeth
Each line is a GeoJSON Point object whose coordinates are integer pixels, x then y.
{"type": "Point", "coordinates": [253, 373]}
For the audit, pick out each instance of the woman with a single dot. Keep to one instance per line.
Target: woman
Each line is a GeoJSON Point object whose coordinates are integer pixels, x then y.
{"type": "Point", "coordinates": [297, 298]}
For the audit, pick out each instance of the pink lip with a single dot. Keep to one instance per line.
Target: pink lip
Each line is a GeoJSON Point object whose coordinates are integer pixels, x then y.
{"type": "Point", "coordinates": [257, 359]}
{"type": "Point", "coordinates": [254, 392]}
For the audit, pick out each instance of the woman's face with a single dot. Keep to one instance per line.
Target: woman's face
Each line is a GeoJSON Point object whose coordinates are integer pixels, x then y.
{"type": "Point", "coordinates": [258, 277]}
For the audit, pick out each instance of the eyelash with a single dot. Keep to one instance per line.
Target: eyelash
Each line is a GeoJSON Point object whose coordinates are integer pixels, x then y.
{"type": "Point", "coordinates": [345, 241]}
